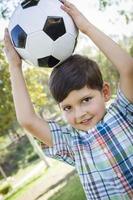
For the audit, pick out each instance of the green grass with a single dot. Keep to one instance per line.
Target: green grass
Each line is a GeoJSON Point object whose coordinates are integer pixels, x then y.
{"type": "Point", "coordinates": [31, 182]}
{"type": "Point", "coordinates": [27, 186]}
{"type": "Point", "coordinates": [23, 171]}
{"type": "Point", "coordinates": [71, 191]}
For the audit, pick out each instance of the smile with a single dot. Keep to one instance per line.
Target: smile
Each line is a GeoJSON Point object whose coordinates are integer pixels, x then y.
{"type": "Point", "coordinates": [86, 121]}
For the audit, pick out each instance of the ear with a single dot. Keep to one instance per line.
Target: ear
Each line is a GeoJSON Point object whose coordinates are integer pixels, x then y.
{"type": "Point", "coordinates": [106, 91]}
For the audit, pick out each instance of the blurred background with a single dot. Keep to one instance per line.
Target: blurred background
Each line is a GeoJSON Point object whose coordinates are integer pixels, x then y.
{"type": "Point", "coordinates": [25, 172]}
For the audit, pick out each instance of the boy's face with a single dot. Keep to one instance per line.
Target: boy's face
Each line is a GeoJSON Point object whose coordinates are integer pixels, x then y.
{"type": "Point", "coordinates": [84, 108]}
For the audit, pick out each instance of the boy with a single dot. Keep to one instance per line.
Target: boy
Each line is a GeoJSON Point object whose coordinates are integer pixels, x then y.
{"type": "Point", "coordinates": [98, 143]}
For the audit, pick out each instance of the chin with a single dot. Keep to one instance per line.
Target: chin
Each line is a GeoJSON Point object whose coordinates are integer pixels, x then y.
{"type": "Point", "coordinates": [84, 128]}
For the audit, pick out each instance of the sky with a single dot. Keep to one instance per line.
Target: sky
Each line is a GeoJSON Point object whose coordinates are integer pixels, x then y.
{"type": "Point", "coordinates": [109, 21]}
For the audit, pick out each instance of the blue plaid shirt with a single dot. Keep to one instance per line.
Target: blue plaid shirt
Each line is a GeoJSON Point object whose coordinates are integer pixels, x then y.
{"type": "Point", "coordinates": [103, 155]}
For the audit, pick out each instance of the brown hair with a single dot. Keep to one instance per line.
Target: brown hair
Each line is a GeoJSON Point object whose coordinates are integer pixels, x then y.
{"type": "Point", "coordinates": [73, 74]}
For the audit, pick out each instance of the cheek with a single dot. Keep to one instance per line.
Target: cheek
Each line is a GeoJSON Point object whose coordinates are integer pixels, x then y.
{"type": "Point", "coordinates": [69, 118]}
{"type": "Point", "coordinates": [98, 108]}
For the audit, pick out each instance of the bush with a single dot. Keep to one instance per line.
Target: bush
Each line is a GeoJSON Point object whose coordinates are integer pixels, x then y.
{"type": "Point", "coordinates": [5, 188]}
{"type": "Point", "coordinates": [32, 158]}
{"type": "Point", "coordinates": [17, 155]}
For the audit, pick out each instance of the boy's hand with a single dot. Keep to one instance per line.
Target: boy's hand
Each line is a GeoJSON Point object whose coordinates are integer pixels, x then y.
{"type": "Point", "coordinates": [79, 19]}
{"type": "Point", "coordinates": [12, 56]}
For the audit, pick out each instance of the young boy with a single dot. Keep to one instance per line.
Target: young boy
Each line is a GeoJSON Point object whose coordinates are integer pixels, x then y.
{"type": "Point", "coordinates": [98, 142]}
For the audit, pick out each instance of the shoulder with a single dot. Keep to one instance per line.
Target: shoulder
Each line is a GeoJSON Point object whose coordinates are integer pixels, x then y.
{"type": "Point", "coordinates": [122, 103]}
{"type": "Point", "coordinates": [121, 107]}
{"type": "Point", "coordinates": [62, 130]}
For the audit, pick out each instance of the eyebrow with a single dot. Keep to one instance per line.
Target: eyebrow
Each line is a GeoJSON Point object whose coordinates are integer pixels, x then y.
{"type": "Point", "coordinates": [86, 96]}
{"type": "Point", "coordinates": [65, 105]}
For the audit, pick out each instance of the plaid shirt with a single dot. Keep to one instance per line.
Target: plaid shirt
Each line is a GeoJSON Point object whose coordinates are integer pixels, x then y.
{"type": "Point", "coordinates": [103, 155]}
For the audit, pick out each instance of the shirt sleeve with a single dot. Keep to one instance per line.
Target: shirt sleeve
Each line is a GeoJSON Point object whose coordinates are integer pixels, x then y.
{"type": "Point", "coordinates": [62, 149]}
{"type": "Point", "coordinates": [125, 106]}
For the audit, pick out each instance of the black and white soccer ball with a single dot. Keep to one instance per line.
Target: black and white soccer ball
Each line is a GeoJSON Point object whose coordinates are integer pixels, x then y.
{"type": "Point", "coordinates": [42, 33]}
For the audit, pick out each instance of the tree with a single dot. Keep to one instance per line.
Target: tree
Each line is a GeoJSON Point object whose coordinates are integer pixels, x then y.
{"type": "Point", "coordinates": [37, 84]}
{"type": "Point", "coordinates": [38, 149]}
{"type": "Point", "coordinates": [5, 7]}
{"type": "Point", "coordinates": [108, 71]}
{"type": "Point", "coordinates": [3, 173]}
{"type": "Point", "coordinates": [127, 14]}
{"type": "Point", "coordinates": [7, 112]}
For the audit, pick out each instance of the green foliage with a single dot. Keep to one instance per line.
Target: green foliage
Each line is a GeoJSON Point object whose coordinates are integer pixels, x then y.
{"type": "Point", "coordinates": [17, 155]}
{"type": "Point", "coordinates": [103, 4]}
{"type": "Point", "coordinates": [127, 15]}
{"type": "Point", "coordinates": [7, 112]}
{"type": "Point", "coordinates": [109, 73]}
{"type": "Point", "coordinates": [71, 191]}
{"type": "Point", "coordinates": [36, 80]}
{"type": "Point", "coordinates": [3, 8]}
{"type": "Point", "coordinates": [5, 188]}
{"type": "Point", "coordinates": [130, 45]}
{"type": "Point", "coordinates": [7, 7]}
{"type": "Point", "coordinates": [37, 83]}
{"type": "Point", "coordinates": [131, 50]}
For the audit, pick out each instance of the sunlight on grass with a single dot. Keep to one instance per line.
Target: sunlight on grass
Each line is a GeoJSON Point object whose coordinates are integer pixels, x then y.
{"type": "Point", "coordinates": [27, 169]}
{"type": "Point", "coordinates": [71, 191]}
{"type": "Point", "coordinates": [32, 181]}
{"type": "Point", "coordinates": [27, 186]}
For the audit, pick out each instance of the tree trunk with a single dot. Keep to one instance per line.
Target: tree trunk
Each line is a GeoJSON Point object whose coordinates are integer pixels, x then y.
{"type": "Point", "coordinates": [37, 149]}
{"type": "Point", "coordinates": [3, 173]}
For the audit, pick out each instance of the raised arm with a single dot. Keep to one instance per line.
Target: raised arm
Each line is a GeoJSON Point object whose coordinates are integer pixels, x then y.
{"type": "Point", "coordinates": [25, 113]}
{"type": "Point", "coordinates": [119, 57]}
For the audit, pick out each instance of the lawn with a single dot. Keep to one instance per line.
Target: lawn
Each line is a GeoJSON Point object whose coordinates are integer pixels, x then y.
{"type": "Point", "coordinates": [27, 186]}
{"type": "Point", "coordinates": [71, 191]}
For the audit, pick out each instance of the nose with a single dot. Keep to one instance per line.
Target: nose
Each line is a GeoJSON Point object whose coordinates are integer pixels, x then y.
{"type": "Point", "coordinates": [79, 113]}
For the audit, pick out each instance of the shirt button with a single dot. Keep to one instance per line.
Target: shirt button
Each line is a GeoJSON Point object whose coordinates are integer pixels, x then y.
{"type": "Point", "coordinates": [119, 175]}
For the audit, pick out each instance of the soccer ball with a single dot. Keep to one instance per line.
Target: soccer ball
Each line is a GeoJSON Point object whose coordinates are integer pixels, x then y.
{"type": "Point", "coordinates": [42, 33]}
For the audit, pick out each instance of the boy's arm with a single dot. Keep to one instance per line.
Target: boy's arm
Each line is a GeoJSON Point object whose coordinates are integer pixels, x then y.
{"type": "Point", "coordinates": [120, 59]}
{"type": "Point", "coordinates": [24, 109]}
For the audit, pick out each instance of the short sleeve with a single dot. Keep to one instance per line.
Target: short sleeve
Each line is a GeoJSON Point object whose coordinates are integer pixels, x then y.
{"type": "Point", "coordinates": [62, 149]}
{"type": "Point", "coordinates": [125, 106]}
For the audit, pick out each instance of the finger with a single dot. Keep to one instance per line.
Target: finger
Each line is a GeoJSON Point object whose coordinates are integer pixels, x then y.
{"type": "Point", "coordinates": [67, 3]}
{"type": "Point", "coordinates": [62, 1]}
{"type": "Point", "coordinates": [7, 40]}
{"type": "Point", "coordinates": [6, 35]}
{"type": "Point", "coordinates": [65, 8]}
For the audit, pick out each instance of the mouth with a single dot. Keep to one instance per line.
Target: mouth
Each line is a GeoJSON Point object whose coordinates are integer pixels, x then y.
{"type": "Point", "coordinates": [86, 121]}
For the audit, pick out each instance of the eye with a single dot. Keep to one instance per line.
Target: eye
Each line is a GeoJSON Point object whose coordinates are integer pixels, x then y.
{"type": "Point", "coordinates": [86, 99]}
{"type": "Point", "coordinates": [67, 108]}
